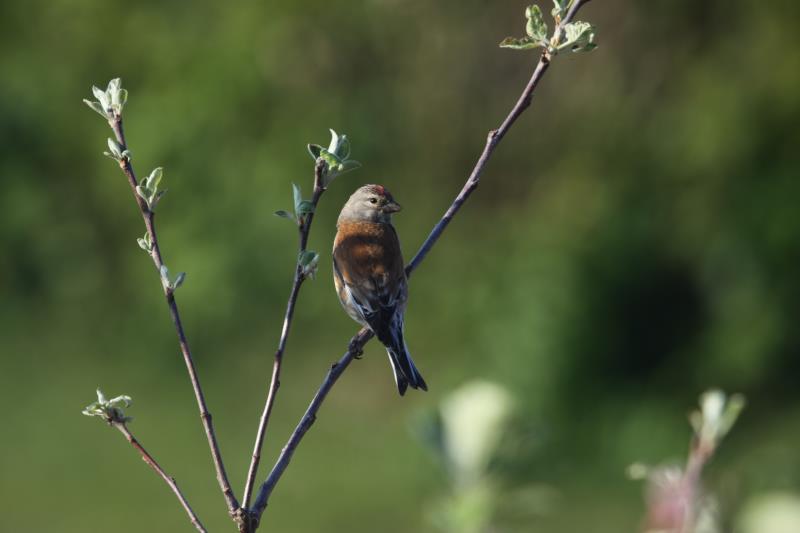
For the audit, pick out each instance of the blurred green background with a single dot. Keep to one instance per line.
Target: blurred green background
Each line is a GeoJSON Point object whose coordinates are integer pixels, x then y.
{"type": "Point", "coordinates": [636, 239]}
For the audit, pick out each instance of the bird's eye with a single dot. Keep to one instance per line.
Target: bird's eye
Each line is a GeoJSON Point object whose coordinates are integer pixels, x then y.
{"type": "Point", "coordinates": [373, 200]}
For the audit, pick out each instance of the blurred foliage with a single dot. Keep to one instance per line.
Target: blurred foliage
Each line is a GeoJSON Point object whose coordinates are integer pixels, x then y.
{"type": "Point", "coordinates": [636, 239]}
{"type": "Point", "coordinates": [677, 500]}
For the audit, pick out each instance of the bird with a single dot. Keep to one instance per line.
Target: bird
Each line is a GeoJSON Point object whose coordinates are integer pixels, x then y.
{"type": "Point", "coordinates": [370, 277]}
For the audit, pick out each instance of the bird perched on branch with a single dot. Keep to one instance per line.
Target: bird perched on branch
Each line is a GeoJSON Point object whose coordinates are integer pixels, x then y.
{"type": "Point", "coordinates": [370, 277]}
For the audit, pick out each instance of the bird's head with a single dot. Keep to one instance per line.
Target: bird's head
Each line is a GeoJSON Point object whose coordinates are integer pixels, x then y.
{"type": "Point", "coordinates": [370, 203]}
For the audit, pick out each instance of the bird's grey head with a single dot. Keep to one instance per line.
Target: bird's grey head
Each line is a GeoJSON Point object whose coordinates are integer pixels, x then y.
{"type": "Point", "coordinates": [370, 203]}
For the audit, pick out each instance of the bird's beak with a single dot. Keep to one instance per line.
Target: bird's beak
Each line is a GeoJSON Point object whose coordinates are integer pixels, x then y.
{"type": "Point", "coordinates": [392, 207]}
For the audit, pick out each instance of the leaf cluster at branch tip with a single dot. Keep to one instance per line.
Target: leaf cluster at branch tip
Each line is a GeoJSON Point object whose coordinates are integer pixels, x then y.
{"type": "Point", "coordinates": [574, 36]}
{"type": "Point", "coordinates": [336, 157]}
{"type": "Point", "coordinates": [109, 410]}
{"type": "Point", "coordinates": [109, 103]}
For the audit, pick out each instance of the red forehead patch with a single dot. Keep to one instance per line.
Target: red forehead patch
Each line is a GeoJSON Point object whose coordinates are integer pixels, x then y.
{"type": "Point", "coordinates": [380, 189]}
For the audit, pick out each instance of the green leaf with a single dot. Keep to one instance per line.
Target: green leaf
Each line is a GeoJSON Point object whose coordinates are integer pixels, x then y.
{"type": "Point", "coordinates": [113, 86]}
{"type": "Point", "coordinates": [331, 160]}
{"type": "Point", "coordinates": [305, 208]}
{"type": "Point", "coordinates": [350, 164]}
{"type": "Point", "coordinates": [109, 410]}
{"type": "Point", "coordinates": [115, 148]}
{"type": "Point", "coordinates": [335, 157]}
{"type": "Point", "coordinates": [578, 37]}
{"type": "Point", "coordinates": [102, 97]}
{"type": "Point", "coordinates": [98, 93]}
{"type": "Point", "coordinates": [315, 150]}
{"type": "Point", "coordinates": [179, 279]}
{"type": "Point", "coordinates": [536, 28]}
{"type": "Point", "coordinates": [143, 193]}
{"type": "Point", "coordinates": [334, 144]}
{"type": "Point", "coordinates": [121, 401]}
{"type": "Point", "coordinates": [96, 107]}
{"type": "Point", "coordinates": [308, 261]}
{"type": "Point", "coordinates": [306, 257]}
{"type": "Point", "coordinates": [154, 178]}
{"type": "Point", "coordinates": [298, 197]}
{"type": "Point", "coordinates": [284, 214]}
{"type": "Point", "coordinates": [122, 99]}
{"type": "Point", "coordinates": [343, 149]}
{"type": "Point", "coordinates": [559, 8]}
{"type": "Point", "coordinates": [515, 43]}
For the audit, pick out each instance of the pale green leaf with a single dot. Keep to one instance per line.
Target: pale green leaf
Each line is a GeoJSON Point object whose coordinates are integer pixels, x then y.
{"type": "Point", "coordinates": [284, 214]}
{"type": "Point", "coordinates": [155, 178]}
{"type": "Point", "coordinates": [96, 107]}
{"type": "Point", "coordinates": [298, 196]}
{"type": "Point", "coordinates": [114, 148]}
{"type": "Point", "coordinates": [514, 43]}
{"type": "Point", "coordinates": [343, 148]}
{"type": "Point", "coordinates": [315, 150]}
{"type": "Point", "coordinates": [143, 193]}
{"type": "Point", "coordinates": [308, 260]}
{"type": "Point", "coordinates": [578, 37]}
{"type": "Point", "coordinates": [536, 27]}
{"type": "Point", "coordinates": [560, 8]}
{"type": "Point", "coordinates": [334, 144]}
{"type": "Point", "coordinates": [304, 208]}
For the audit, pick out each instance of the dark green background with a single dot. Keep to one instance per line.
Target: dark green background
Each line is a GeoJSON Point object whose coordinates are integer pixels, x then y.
{"type": "Point", "coordinates": [635, 240]}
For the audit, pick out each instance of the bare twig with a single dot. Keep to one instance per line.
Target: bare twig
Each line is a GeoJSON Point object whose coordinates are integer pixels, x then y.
{"type": "Point", "coordinates": [494, 138]}
{"type": "Point", "coordinates": [155, 253]}
{"type": "Point", "coordinates": [337, 369]}
{"type": "Point", "coordinates": [160, 471]}
{"type": "Point", "coordinates": [304, 228]}
{"type": "Point", "coordinates": [363, 336]}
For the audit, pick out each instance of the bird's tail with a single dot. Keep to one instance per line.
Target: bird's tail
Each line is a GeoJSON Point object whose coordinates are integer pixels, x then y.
{"type": "Point", "coordinates": [391, 336]}
{"type": "Point", "coordinates": [405, 371]}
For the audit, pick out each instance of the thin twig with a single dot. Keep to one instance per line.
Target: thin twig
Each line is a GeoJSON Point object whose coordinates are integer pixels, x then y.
{"type": "Point", "coordinates": [149, 221]}
{"type": "Point", "coordinates": [169, 480]}
{"type": "Point", "coordinates": [363, 336]}
{"type": "Point", "coordinates": [493, 139]}
{"type": "Point", "coordinates": [337, 369]}
{"type": "Point", "coordinates": [303, 228]}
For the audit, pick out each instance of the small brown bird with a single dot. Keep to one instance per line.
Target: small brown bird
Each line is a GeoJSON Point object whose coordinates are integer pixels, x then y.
{"type": "Point", "coordinates": [370, 277]}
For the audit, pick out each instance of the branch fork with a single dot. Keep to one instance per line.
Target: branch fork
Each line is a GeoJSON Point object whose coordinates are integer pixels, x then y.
{"type": "Point", "coordinates": [329, 163]}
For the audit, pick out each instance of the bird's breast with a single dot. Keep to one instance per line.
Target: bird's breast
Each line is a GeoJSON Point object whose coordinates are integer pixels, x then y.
{"type": "Point", "coordinates": [368, 249]}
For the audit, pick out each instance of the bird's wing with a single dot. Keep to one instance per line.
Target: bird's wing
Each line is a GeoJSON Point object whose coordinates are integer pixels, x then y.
{"type": "Point", "coordinates": [368, 264]}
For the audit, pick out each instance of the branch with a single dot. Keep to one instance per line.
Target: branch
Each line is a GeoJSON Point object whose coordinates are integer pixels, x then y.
{"type": "Point", "coordinates": [304, 228]}
{"type": "Point", "coordinates": [494, 138]}
{"type": "Point", "coordinates": [337, 369]}
{"type": "Point", "coordinates": [115, 121]}
{"type": "Point", "coordinates": [363, 336]}
{"type": "Point", "coordinates": [160, 471]}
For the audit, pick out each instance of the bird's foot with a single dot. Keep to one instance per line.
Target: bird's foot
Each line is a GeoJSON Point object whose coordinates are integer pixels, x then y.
{"type": "Point", "coordinates": [356, 349]}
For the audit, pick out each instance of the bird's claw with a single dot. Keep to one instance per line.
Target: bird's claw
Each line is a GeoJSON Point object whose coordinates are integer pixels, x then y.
{"type": "Point", "coordinates": [356, 349]}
